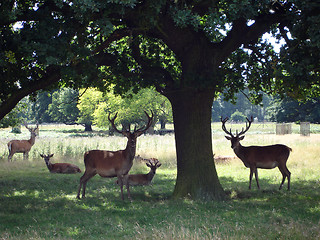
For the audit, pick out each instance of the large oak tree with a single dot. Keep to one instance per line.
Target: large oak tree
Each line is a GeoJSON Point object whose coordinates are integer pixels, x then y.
{"type": "Point", "coordinates": [189, 50]}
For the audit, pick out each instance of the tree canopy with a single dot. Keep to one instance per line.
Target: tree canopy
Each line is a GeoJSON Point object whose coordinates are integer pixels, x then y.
{"type": "Point", "coordinates": [190, 51]}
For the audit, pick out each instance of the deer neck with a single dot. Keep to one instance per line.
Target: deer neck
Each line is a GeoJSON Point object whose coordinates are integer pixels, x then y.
{"type": "Point", "coordinates": [131, 150]}
{"type": "Point", "coordinates": [49, 166]}
{"type": "Point", "coordinates": [150, 175]}
{"type": "Point", "coordinates": [32, 140]}
{"type": "Point", "coordinates": [239, 151]}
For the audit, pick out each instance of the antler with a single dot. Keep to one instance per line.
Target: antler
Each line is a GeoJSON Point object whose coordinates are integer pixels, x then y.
{"type": "Point", "coordinates": [26, 125]}
{"type": "Point", "coordinates": [247, 127]}
{"type": "Point", "coordinates": [224, 126]}
{"type": "Point", "coordinates": [154, 162]}
{"type": "Point", "coordinates": [143, 129]}
{"type": "Point", "coordinates": [111, 120]}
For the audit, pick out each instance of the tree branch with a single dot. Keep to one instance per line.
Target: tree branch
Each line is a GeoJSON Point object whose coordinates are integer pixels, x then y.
{"type": "Point", "coordinates": [52, 76]}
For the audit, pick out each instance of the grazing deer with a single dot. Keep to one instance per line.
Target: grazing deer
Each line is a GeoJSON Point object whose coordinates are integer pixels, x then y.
{"type": "Point", "coordinates": [23, 146]}
{"type": "Point", "coordinates": [60, 167]}
{"type": "Point", "coordinates": [113, 163]}
{"type": "Point", "coordinates": [144, 179]}
{"type": "Point", "coordinates": [253, 157]}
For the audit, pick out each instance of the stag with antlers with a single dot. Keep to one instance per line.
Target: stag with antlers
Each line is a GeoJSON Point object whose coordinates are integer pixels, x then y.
{"type": "Point", "coordinates": [23, 146]}
{"type": "Point", "coordinates": [253, 157]}
{"type": "Point", "coordinates": [113, 163]}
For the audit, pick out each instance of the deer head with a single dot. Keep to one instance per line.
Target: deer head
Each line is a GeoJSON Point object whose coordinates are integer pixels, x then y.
{"type": "Point", "coordinates": [235, 140]}
{"type": "Point", "coordinates": [132, 136]}
{"type": "Point", "coordinates": [153, 164]}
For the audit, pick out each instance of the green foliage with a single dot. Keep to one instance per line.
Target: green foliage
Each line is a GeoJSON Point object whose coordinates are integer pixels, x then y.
{"type": "Point", "coordinates": [64, 106]}
{"type": "Point", "coordinates": [238, 117]}
{"type": "Point", "coordinates": [15, 117]}
{"type": "Point", "coordinates": [131, 107]}
{"type": "Point", "coordinates": [290, 110]}
{"type": "Point", "coordinates": [88, 103]}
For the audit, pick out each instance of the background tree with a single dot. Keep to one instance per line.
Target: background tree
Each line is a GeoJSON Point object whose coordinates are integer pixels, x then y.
{"type": "Point", "coordinates": [131, 107]}
{"type": "Point", "coordinates": [190, 51]}
{"type": "Point", "coordinates": [238, 117]}
{"type": "Point", "coordinates": [64, 106]}
{"type": "Point", "coordinates": [38, 107]}
{"type": "Point", "coordinates": [241, 104]}
{"type": "Point", "coordinates": [88, 103]}
{"type": "Point", "coordinates": [16, 116]}
{"type": "Point", "coordinates": [291, 110]}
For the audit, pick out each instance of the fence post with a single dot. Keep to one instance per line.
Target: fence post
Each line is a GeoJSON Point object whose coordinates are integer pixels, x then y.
{"type": "Point", "coordinates": [283, 128]}
{"type": "Point", "coordinates": [305, 129]}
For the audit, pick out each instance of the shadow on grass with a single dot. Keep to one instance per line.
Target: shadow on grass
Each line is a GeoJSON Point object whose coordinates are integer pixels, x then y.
{"type": "Point", "coordinates": [47, 204]}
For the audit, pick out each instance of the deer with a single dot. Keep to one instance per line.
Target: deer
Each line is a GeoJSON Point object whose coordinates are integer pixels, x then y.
{"type": "Point", "coordinates": [144, 179]}
{"type": "Point", "coordinates": [264, 157]}
{"type": "Point", "coordinates": [110, 164]}
{"type": "Point", "coordinates": [59, 167]}
{"type": "Point", "coordinates": [23, 146]}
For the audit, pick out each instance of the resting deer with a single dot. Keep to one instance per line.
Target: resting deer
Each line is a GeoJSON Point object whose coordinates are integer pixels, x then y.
{"type": "Point", "coordinates": [144, 179]}
{"type": "Point", "coordinates": [23, 146]}
{"type": "Point", "coordinates": [253, 157]}
{"type": "Point", "coordinates": [113, 163]}
{"type": "Point", "coordinates": [59, 167]}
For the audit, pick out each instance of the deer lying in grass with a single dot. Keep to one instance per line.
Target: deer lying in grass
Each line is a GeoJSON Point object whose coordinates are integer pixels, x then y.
{"type": "Point", "coordinates": [113, 163]}
{"type": "Point", "coordinates": [144, 179]}
{"type": "Point", "coordinates": [254, 157]}
{"type": "Point", "coordinates": [59, 167]}
{"type": "Point", "coordinates": [23, 146]}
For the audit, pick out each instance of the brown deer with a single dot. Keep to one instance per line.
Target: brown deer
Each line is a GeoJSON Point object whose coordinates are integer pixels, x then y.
{"type": "Point", "coordinates": [59, 167]}
{"type": "Point", "coordinates": [113, 163]}
{"type": "Point", "coordinates": [23, 146]}
{"type": "Point", "coordinates": [144, 179]}
{"type": "Point", "coordinates": [253, 157]}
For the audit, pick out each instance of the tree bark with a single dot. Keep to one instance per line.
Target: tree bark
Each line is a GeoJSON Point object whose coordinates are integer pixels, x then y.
{"type": "Point", "coordinates": [88, 128]}
{"type": "Point", "coordinates": [196, 173]}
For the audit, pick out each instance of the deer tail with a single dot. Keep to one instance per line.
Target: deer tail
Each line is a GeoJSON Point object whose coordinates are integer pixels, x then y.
{"type": "Point", "coordinates": [9, 146]}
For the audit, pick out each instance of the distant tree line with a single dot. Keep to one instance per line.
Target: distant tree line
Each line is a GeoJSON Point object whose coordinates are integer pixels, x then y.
{"type": "Point", "coordinates": [274, 109]}
{"type": "Point", "coordinates": [90, 106]}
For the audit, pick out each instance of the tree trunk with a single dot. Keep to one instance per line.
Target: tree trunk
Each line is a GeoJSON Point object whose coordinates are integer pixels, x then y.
{"type": "Point", "coordinates": [162, 124]}
{"type": "Point", "coordinates": [196, 173]}
{"type": "Point", "coordinates": [87, 127]}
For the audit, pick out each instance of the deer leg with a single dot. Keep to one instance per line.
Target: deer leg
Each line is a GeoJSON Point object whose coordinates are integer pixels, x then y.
{"type": "Point", "coordinates": [79, 189]}
{"type": "Point", "coordinates": [256, 176]}
{"type": "Point", "coordinates": [288, 177]}
{"type": "Point", "coordinates": [25, 156]}
{"type": "Point", "coordinates": [283, 177]}
{"type": "Point", "coordinates": [10, 157]}
{"type": "Point", "coordinates": [83, 182]}
{"type": "Point", "coordinates": [120, 181]}
{"type": "Point", "coordinates": [126, 182]}
{"type": "Point", "coordinates": [285, 173]}
{"type": "Point", "coordinates": [250, 177]}
{"type": "Point", "coordinates": [10, 152]}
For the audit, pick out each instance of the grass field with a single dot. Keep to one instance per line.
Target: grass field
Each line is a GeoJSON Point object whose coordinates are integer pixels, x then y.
{"type": "Point", "coordinates": [35, 204]}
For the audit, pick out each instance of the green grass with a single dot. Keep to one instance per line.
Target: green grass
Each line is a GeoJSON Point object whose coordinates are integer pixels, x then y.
{"type": "Point", "coordinates": [35, 204]}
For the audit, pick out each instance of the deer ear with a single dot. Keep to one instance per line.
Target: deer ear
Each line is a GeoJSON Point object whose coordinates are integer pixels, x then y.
{"type": "Point", "coordinates": [227, 137]}
{"type": "Point", "coordinates": [41, 155]}
{"type": "Point", "coordinates": [51, 155]}
{"type": "Point", "coordinates": [241, 138]}
{"type": "Point", "coordinates": [148, 165]}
